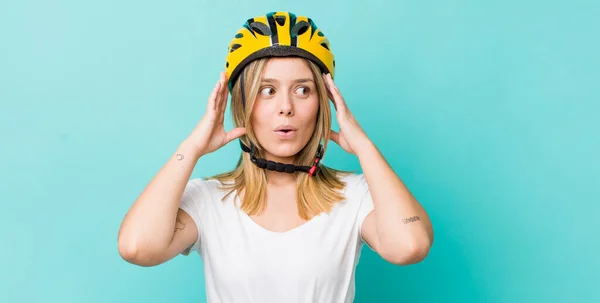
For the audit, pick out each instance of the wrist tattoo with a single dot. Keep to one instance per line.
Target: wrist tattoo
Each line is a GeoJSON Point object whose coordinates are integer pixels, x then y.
{"type": "Point", "coordinates": [179, 157]}
{"type": "Point", "coordinates": [411, 219]}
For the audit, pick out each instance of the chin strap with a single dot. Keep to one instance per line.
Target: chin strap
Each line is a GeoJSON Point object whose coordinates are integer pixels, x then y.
{"type": "Point", "coordinates": [282, 167]}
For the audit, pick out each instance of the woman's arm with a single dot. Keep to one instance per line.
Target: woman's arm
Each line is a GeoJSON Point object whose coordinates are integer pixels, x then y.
{"type": "Point", "coordinates": [398, 228]}
{"type": "Point", "coordinates": [154, 230]}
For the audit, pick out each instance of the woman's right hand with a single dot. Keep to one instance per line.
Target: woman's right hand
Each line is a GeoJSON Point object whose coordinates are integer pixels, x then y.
{"type": "Point", "coordinates": [210, 135]}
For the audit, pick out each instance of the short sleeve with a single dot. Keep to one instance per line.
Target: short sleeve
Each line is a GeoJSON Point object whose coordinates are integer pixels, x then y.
{"type": "Point", "coordinates": [192, 201]}
{"type": "Point", "coordinates": [366, 204]}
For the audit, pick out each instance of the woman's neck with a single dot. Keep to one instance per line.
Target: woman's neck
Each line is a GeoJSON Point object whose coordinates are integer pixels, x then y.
{"type": "Point", "coordinates": [279, 179]}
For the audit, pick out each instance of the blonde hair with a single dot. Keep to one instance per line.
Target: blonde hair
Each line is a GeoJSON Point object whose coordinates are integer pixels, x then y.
{"type": "Point", "coordinates": [315, 194]}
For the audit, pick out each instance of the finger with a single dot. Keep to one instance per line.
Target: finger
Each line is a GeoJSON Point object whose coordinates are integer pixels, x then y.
{"type": "Point", "coordinates": [335, 92]}
{"type": "Point", "coordinates": [234, 134]}
{"type": "Point", "coordinates": [334, 89]}
{"type": "Point", "coordinates": [327, 86]}
{"type": "Point", "coordinates": [330, 91]}
{"type": "Point", "coordinates": [225, 94]}
{"type": "Point", "coordinates": [220, 96]}
{"type": "Point", "coordinates": [212, 99]}
{"type": "Point", "coordinates": [333, 85]}
{"type": "Point", "coordinates": [330, 96]}
{"type": "Point", "coordinates": [223, 86]}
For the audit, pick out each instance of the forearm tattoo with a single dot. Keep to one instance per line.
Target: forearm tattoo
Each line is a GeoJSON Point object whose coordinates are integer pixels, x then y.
{"type": "Point", "coordinates": [179, 224]}
{"type": "Point", "coordinates": [411, 219]}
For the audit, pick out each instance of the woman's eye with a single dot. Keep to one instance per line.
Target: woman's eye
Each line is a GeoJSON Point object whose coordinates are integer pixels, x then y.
{"type": "Point", "coordinates": [302, 90]}
{"type": "Point", "coordinates": [267, 91]}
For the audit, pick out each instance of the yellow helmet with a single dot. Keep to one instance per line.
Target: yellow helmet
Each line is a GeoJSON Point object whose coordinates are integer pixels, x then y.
{"type": "Point", "coordinates": [278, 34]}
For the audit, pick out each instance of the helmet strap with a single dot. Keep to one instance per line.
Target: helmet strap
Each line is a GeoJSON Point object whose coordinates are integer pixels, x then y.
{"type": "Point", "coordinates": [282, 167]}
{"type": "Point", "coordinates": [243, 93]}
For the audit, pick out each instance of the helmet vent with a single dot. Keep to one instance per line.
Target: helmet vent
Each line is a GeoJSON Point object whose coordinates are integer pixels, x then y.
{"type": "Point", "coordinates": [234, 47]}
{"type": "Point", "coordinates": [300, 28]}
{"type": "Point", "coordinates": [280, 20]}
{"type": "Point", "coordinates": [261, 28]}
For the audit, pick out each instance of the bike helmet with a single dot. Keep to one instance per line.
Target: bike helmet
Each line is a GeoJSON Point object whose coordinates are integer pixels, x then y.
{"type": "Point", "coordinates": [278, 34]}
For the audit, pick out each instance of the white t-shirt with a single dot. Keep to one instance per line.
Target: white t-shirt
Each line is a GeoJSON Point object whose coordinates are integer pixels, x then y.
{"type": "Point", "coordinates": [244, 262]}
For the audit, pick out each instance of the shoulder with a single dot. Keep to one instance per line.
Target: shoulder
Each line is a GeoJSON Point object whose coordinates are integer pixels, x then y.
{"type": "Point", "coordinates": [206, 196]}
{"type": "Point", "coordinates": [351, 178]}
{"type": "Point", "coordinates": [355, 183]}
{"type": "Point", "coordinates": [355, 187]}
{"type": "Point", "coordinates": [200, 188]}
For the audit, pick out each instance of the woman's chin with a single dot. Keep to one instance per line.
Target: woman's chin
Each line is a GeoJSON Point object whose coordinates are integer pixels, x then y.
{"type": "Point", "coordinates": [284, 151]}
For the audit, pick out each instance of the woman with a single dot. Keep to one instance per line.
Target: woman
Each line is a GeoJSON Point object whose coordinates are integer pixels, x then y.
{"type": "Point", "coordinates": [280, 227]}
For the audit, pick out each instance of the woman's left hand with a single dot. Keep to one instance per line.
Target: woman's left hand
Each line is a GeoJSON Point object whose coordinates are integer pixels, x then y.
{"type": "Point", "coordinates": [351, 135]}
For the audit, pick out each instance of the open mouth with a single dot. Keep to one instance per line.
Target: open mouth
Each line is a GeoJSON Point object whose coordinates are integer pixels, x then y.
{"type": "Point", "coordinates": [285, 131]}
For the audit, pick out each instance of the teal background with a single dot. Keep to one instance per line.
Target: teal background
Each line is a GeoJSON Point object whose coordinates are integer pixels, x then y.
{"type": "Point", "coordinates": [488, 110]}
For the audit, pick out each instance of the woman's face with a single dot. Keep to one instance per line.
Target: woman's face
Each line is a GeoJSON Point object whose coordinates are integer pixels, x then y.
{"type": "Point", "coordinates": [285, 112]}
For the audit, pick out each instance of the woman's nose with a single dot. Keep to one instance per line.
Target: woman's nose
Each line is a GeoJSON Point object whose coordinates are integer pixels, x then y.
{"type": "Point", "coordinates": [286, 107]}
{"type": "Point", "coordinates": [286, 112]}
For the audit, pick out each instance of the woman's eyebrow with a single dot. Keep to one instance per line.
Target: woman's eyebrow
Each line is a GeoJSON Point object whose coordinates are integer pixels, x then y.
{"type": "Point", "coordinates": [301, 80]}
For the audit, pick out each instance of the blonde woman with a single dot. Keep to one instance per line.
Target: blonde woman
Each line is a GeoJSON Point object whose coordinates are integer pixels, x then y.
{"type": "Point", "coordinates": [281, 226]}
